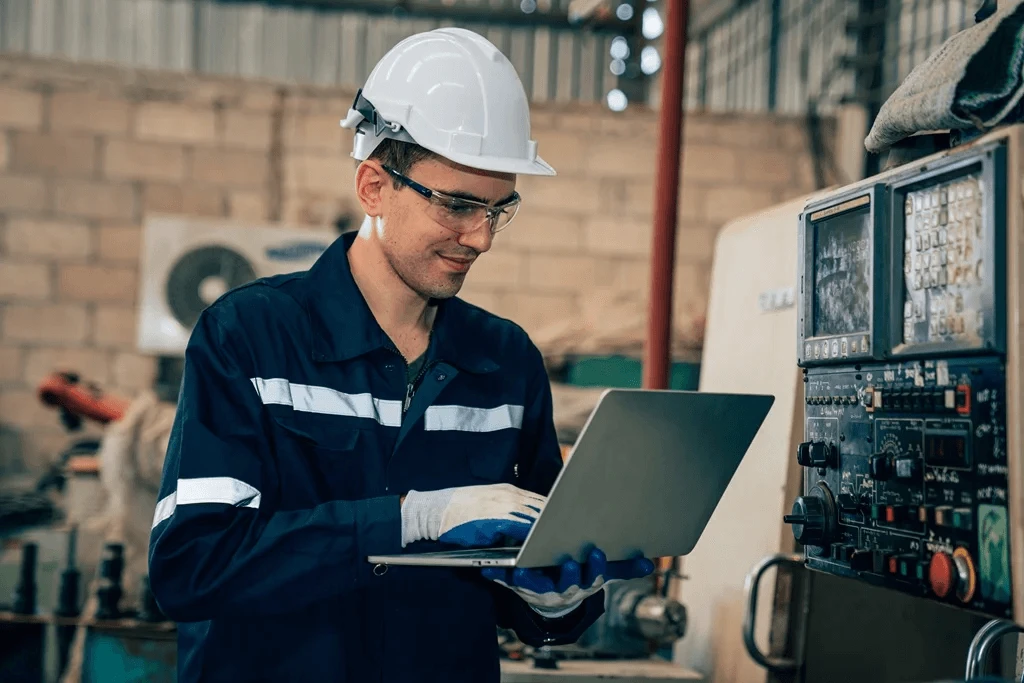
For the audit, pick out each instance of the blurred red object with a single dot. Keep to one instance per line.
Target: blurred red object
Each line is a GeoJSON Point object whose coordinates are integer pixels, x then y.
{"type": "Point", "coordinates": [65, 390]}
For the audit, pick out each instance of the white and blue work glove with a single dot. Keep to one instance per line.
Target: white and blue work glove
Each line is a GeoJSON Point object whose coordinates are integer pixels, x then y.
{"type": "Point", "coordinates": [554, 592]}
{"type": "Point", "coordinates": [470, 516]}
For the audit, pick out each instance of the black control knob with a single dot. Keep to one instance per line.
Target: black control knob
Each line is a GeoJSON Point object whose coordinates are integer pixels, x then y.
{"type": "Point", "coordinates": [861, 560]}
{"type": "Point", "coordinates": [847, 502]}
{"type": "Point", "coordinates": [842, 552]}
{"type": "Point", "coordinates": [817, 454]}
{"type": "Point", "coordinates": [814, 517]}
{"type": "Point", "coordinates": [880, 466]}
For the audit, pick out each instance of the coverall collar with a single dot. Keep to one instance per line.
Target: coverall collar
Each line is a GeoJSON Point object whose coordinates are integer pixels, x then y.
{"type": "Point", "coordinates": [344, 326]}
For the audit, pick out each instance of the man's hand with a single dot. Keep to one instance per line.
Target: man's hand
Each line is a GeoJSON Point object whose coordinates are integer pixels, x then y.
{"type": "Point", "coordinates": [470, 516]}
{"type": "Point", "coordinates": [556, 593]}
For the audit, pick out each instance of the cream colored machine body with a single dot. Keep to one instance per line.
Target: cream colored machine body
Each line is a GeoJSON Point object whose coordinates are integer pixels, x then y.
{"type": "Point", "coordinates": [898, 462]}
{"type": "Point", "coordinates": [748, 347]}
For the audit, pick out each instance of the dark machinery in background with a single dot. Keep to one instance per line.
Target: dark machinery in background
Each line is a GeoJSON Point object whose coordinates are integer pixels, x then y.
{"type": "Point", "coordinates": [638, 620]}
{"type": "Point", "coordinates": [119, 643]}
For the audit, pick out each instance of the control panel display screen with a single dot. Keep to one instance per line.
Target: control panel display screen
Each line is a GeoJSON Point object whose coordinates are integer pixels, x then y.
{"type": "Point", "coordinates": [943, 263]}
{"type": "Point", "coordinates": [842, 274]}
{"type": "Point", "coordinates": [946, 449]}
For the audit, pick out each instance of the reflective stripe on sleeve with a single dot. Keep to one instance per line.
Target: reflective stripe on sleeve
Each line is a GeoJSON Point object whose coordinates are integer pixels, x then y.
{"type": "Point", "coordinates": [223, 490]}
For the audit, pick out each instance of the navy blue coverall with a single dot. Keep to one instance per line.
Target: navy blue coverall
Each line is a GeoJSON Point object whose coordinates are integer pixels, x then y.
{"type": "Point", "coordinates": [293, 440]}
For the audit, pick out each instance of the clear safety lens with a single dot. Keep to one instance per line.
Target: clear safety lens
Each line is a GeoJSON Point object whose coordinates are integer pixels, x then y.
{"type": "Point", "coordinates": [461, 215]}
{"type": "Point", "coordinates": [458, 214]}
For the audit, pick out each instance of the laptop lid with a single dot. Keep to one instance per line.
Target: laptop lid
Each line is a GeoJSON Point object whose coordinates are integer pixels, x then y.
{"type": "Point", "coordinates": [645, 475]}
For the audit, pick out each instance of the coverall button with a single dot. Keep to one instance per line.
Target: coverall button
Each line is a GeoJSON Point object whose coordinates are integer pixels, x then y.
{"type": "Point", "coordinates": [441, 376]}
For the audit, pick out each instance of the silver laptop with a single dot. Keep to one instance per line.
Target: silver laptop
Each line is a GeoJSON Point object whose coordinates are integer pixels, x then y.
{"type": "Point", "coordinates": [644, 477]}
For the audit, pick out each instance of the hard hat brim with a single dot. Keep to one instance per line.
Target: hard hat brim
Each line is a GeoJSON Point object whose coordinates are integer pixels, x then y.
{"type": "Point", "coordinates": [536, 166]}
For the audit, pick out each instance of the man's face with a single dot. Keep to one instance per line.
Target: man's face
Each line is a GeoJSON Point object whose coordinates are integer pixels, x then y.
{"type": "Point", "coordinates": [430, 258]}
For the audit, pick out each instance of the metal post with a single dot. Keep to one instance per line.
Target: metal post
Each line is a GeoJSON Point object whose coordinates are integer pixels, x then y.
{"type": "Point", "coordinates": [871, 63]}
{"type": "Point", "coordinates": [197, 38]}
{"type": "Point", "coordinates": [773, 54]}
{"type": "Point", "coordinates": [702, 85]}
{"type": "Point", "coordinates": [657, 351]}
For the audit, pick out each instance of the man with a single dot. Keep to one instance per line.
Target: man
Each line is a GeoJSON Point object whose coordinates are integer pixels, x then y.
{"type": "Point", "coordinates": [361, 408]}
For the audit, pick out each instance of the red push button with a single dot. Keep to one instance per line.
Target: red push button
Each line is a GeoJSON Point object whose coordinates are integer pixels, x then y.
{"type": "Point", "coordinates": [941, 574]}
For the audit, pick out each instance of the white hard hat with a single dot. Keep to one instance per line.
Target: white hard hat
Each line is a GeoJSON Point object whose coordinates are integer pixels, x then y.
{"type": "Point", "coordinates": [454, 93]}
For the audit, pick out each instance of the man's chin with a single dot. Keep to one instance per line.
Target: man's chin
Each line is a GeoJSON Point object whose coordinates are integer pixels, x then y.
{"type": "Point", "coordinates": [446, 290]}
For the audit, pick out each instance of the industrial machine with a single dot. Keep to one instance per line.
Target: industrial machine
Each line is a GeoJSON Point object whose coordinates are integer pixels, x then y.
{"type": "Point", "coordinates": [879, 509]}
{"type": "Point", "coordinates": [908, 341]}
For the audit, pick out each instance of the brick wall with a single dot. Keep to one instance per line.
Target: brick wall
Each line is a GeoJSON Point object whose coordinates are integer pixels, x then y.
{"type": "Point", "coordinates": [86, 152]}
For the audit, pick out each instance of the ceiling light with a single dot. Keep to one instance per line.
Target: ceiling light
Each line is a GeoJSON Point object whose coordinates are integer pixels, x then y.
{"type": "Point", "coordinates": [619, 48]}
{"type": "Point", "coordinates": [650, 60]}
{"type": "Point", "coordinates": [652, 25]}
{"type": "Point", "coordinates": [617, 100]}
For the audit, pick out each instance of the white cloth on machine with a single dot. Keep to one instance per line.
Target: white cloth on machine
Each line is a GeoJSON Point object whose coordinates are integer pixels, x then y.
{"type": "Point", "coordinates": [131, 459]}
{"type": "Point", "coordinates": [973, 82]}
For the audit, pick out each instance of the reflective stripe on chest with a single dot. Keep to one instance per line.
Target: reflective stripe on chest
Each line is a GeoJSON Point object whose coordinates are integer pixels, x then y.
{"type": "Point", "coordinates": [326, 401]}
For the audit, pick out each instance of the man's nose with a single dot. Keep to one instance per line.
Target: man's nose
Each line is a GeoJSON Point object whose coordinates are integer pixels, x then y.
{"type": "Point", "coordinates": [479, 240]}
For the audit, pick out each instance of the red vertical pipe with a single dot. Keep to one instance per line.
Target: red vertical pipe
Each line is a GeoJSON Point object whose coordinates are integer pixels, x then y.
{"type": "Point", "coordinates": [658, 349]}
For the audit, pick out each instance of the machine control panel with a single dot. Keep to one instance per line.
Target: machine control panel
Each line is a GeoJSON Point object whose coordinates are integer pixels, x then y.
{"type": "Point", "coordinates": [913, 491]}
{"type": "Point", "coordinates": [904, 456]}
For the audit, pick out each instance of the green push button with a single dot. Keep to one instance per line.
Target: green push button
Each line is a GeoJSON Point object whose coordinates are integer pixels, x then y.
{"type": "Point", "coordinates": [962, 518]}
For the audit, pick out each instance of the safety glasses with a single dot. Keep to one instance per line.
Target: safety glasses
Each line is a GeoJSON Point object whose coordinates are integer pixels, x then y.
{"type": "Point", "coordinates": [459, 214]}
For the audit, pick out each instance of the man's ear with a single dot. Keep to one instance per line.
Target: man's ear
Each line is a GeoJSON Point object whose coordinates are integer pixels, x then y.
{"type": "Point", "coordinates": [371, 183]}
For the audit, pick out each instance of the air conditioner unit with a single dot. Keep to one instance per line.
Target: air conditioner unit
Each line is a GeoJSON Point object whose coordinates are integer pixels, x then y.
{"type": "Point", "coordinates": [187, 263]}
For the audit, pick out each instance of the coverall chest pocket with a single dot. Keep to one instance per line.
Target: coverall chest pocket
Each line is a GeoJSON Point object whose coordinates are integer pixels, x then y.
{"type": "Point", "coordinates": [329, 461]}
{"type": "Point", "coordinates": [480, 457]}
